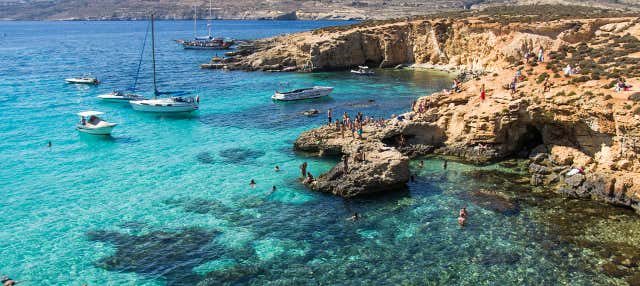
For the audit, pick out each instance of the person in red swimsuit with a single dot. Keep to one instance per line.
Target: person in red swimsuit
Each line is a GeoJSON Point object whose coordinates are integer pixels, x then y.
{"type": "Point", "coordinates": [483, 94]}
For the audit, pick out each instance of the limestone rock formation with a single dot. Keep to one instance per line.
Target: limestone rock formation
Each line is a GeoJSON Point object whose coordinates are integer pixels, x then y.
{"type": "Point", "coordinates": [578, 122]}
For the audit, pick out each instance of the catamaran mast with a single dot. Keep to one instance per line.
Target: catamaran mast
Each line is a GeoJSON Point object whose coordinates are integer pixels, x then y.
{"type": "Point", "coordinates": [210, 19]}
{"type": "Point", "coordinates": [153, 59]}
{"type": "Point", "coordinates": [195, 21]}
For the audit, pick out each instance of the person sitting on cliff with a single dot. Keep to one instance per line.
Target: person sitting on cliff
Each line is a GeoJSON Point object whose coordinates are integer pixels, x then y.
{"type": "Point", "coordinates": [309, 179]}
{"type": "Point", "coordinates": [574, 171]}
{"type": "Point", "coordinates": [456, 85]}
{"type": "Point", "coordinates": [546, 86]}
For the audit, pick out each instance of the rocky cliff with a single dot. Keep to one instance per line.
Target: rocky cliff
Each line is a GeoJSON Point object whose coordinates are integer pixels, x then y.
{"type": "Point", "coordinates": [581, 135]}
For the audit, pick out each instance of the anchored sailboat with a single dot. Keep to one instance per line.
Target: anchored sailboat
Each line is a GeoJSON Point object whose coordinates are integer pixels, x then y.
{"type": "Point", "coordinates": [125, 97]}
{"type": "Point", "coordinates": [165, 105]}
{"type": "Point", "coordinates": [205, 42]}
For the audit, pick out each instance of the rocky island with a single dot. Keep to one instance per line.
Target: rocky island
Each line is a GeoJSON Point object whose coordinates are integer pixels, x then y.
{"type": "Point", "coordinates": [579, 128]}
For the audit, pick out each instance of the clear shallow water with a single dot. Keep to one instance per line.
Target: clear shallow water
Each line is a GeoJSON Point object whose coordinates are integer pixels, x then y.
{"type": "Point", "coordinates": [166, 199]}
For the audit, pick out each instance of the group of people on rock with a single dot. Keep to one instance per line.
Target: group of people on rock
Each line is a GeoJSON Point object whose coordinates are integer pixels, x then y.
{"type": "Point", "coordinates": [355, 125]}
{"type": "Point", "coordinates": [568, 70]}
{"type": "Point", "coordinates": [622, 85]}
{"type": "Point", "coordinates": [530, 56]}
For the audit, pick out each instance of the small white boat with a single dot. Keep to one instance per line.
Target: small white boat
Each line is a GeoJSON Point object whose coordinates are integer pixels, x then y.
{"type": "Point", "coordinates": [303, 93]}
{"type": "Point", "coordinates": [118, 96]}
{"type": "Point", "coordinates": [92, 124]}
{"type": "Point", "coordinates": [167, 105]}
{"type": "Point", "coordinates": [82, 80]}
{"type": "Point", "coordinates": [363, 70]}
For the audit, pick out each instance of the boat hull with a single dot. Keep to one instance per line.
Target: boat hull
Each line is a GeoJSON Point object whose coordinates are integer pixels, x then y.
{"type": "Point", "coordinates": [193, 47]}
{"type": "Point", "coordinates": [106, 130]}
{"type": "Point", "coordinates": [163, 107]}
{"type": "Point", "coordinates": [82, 81]}
{"type": "Point", "coordinates": [315, 92]}
{"type": "Point", "coordinates": [119, 98]}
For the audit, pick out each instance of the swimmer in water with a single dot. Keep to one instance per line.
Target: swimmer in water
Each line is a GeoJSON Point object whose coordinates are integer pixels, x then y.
{"type": "Point", "coordinates": [421, 164]}
{"type": "Point", "coordinates": [444, 165]}
{"type": "Point", "coordinates": [355, 216]}
{"type": "Point", "coordinates": [273, 190]}
{"type": "Point", "coordinates": [462, 216]}
{"type": "Point", "coordinates": [6, 281]}
{"type": "Point", "coordinates": [276, 168]}
{"type": "Point", "coordinates": [252, 184]}
{"type": "Point", "coordinates": [49, 144]}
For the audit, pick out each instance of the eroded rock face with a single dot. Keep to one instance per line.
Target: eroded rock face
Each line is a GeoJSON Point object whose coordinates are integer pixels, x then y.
{"type": "Point", "coordinates": [371, 165]}
{"type": "Point", "coordinates": [573, 125]}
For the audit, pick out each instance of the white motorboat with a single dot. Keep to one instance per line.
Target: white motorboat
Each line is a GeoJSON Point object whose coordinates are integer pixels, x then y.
{"type": "Point", "coordinates": [163, 105]}
{"type": "Point", "coordinates": [303, 93]}
{"type": "Point", "coordinates": [82, 80]}
{"type": "Point", "coordinates": [363, 70]}
{"type": "Point", "coordinates": [168, 105]}
{"type": "Point", "coordinates": [118, 96]}
{"type": "Point", "coordinates": [90, 123]}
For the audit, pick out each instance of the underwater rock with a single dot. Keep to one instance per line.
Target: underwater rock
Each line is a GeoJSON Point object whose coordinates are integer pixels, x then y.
{"type": "Point", "coordinates": [634, 280]}
{"type": "Point", "coordinates": [240, 155]}
{"type": "Point", "coordinates": [171, 255]}
{"type": "Point", "coordinates": [205, 158]}
{"type": "Point", "coordinates": [613, 270]}
{"type": "Point", "coordinates": [493, 200]}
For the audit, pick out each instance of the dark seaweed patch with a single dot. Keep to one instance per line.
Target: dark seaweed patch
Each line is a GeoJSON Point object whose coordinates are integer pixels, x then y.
{"type": "Point", "coordinates": [240, 155]}
{"type": "Point", "coordinates": [170, 255]}
{"type": "Point", "coordinates": [205, 158]}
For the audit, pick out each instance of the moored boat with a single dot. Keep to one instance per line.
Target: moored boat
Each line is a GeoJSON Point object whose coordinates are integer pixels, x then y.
{"type": "Point", "coordinates": [82, 80]}
{"type": "Point", "coordinates": [119, 96]}
{"type": "Point", "coordinates": [303, 93]}
{"type": "Point", "coordinates": [90, 123]}
{"type": "Point", "coordinates": [363, 70]}
{"type": "Point", "coordinates": [207, 42]}
{"type": "Point", "coordinates": [166, 105]}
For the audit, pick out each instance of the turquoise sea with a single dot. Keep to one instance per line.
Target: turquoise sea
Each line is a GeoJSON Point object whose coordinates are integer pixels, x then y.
{"type": "Point", "coordinates": [166, 199]}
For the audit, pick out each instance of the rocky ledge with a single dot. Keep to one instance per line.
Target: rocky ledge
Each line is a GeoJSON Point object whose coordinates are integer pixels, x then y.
{"type": "Point", "coordinates": [581, 135]}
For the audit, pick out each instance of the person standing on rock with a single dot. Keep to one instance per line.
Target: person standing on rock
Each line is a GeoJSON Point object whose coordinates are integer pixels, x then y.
{"type": "Point", "coordinates": [345, 163]}
{"type": "Point", "coordinates": [303, 169]}
{"type": "Point", "coordinates": [541, 55]}
{"type": "Point", "coordinates": [329, 116]}
{"type": "Point", "coordinates": [483, 94]}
